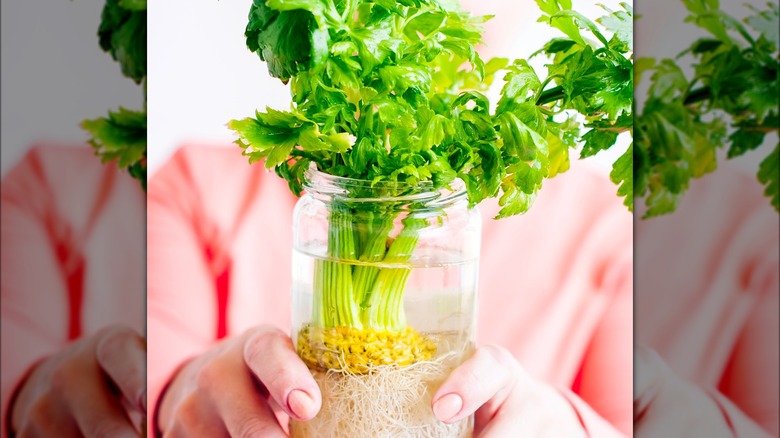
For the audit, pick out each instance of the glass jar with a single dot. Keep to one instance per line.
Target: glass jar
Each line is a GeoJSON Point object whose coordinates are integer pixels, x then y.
{"type": "Point", "coordinates": [384, 302]}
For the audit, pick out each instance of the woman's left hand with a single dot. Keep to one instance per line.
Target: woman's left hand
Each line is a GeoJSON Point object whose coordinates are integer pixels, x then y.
{"type": "Point", "coordinates": [505, 399]}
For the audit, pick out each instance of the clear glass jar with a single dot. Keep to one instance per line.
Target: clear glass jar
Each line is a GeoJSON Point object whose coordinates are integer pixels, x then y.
{"type": "Point", "coordinates": [384, 302]}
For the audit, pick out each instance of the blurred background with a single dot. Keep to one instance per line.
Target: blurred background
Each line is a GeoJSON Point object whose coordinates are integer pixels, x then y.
{"type": "Point", "coordinates": [660, 32]}
{"type": "Point", "coordinates": [55, 75]}
{"type": "Point", "coordinates": [73, 228]}
{"type": "Point", "coordinates": [706, 276]}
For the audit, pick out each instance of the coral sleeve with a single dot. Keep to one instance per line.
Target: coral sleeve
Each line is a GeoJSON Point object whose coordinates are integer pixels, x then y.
{"type": "Point", "coordinates": [181, 288]}
{"type": "Point", "coordinates": [219, 254]}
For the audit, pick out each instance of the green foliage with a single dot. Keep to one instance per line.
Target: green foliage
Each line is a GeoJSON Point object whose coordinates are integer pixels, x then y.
{"type": "Point", "coordinates": [122, 34]}
{"type": "Point", "coordinates": [730, 102]}
{"type": "Point", "coordinates": [122, 135]}
{"type": "Point", "coordinates": [395, 90]}
{"type": "Point", "coordinates": [276, 36]}
{"type": "Point", "coordinates": [770, 177]}
{"type": "Point", "coordinates": [623, 175]}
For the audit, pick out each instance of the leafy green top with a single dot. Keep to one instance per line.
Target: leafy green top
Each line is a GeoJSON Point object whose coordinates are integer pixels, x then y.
{"type": "Point", "coordinates": [395, 90]}
{"type": "Point", "coordinates": [735, 87]}
{"type": "Point", "coordinates": [122, 135]}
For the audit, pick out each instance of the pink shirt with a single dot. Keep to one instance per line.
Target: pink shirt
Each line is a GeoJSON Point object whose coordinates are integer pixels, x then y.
{"type": "Point", "coordinates": [563, 308]}
{"type": "Point", "coordinates": [73, 255]}
{"type": "Point", "coordinates": [555, 284]}
{"type": "Point", "coordinates": [706, 301]}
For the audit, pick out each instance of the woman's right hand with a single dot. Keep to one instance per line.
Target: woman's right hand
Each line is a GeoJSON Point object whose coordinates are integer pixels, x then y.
{"type": "Point", "coordinates": [231, 389]}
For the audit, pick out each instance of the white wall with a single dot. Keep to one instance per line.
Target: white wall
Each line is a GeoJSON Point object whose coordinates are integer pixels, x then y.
{"type": "Point", "coordinates": [54, 74]}
{"type": "Point", "coordinates": [202, 75]}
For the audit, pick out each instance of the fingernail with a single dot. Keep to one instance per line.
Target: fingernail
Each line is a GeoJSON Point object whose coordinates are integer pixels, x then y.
{"type": "Point", "coordinates": [447, 407]}
{"type": "Point", "coordinates": [300, 404]}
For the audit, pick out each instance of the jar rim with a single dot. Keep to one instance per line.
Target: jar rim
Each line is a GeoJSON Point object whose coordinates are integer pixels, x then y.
{"type": "Point", "coordinates": [317, 182]}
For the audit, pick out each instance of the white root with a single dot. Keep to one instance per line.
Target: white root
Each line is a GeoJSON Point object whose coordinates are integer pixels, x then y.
{"type": "Point", "coordinates": [387, 402]}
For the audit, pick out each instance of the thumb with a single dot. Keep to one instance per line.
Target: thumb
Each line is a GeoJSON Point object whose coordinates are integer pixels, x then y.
{"type": "Point", "coordinates": [270, 355]}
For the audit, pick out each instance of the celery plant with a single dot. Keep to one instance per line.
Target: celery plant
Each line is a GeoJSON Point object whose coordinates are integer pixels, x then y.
{"type": "Point", "coordinates": [394, 91]}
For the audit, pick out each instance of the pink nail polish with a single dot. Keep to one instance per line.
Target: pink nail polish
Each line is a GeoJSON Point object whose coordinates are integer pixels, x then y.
{"type": "Point", "coordinates": [448, 407]}
{"type": "Point", "coordinates": [300, 404]}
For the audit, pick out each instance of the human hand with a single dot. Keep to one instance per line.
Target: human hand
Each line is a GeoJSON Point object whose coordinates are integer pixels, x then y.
{"type": "Point", "coordinates": [505, 400]}
{"type": "Point", "coordinates": [667, 405]}
{"type": "Point", "coordinates": [232, 389]}
{"type": "Point", "coordinates": [91, 388]}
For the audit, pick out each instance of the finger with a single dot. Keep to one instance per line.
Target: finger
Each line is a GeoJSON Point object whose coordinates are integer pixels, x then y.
{"type": "Point", "coordinates": [532, 409]}
{"type": "Point", "coordinates": [195, 418]}
{"type": "Point", "coordinates": [488, 376]}
{"type": "Point", "coordinates": [270, 355]}
{"type": "Point", "coordinates": [101, 416]}
{"type": "Point", "coordinates": [47, 417]}
{"type": "Point", "coordinates": [38, 430]}
{"type": "Point", "coordinates": [95, 408]}
{"type": "Point", "coordinates": [136, 417]}
{"type": "Point", "coordinates": [185, 430]}
{"type": "Point", "coordinates": [506, 427]}
{"type": "Point", "coordinates": [665, 403]}
{"type": "Point", "coordinates": [121, 353]}
{"type": "Point", "coordinates": [244, 410]}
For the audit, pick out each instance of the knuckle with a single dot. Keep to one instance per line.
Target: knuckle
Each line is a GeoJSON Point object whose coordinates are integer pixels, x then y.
{"type": "Point", "coordinates": [112, 341]}
{"type": "Point", "coordinates": [187, 412]}
{"type": "Point", "coordinates": [277, 373]}
{"type": "Point", "coordinates": [66, 375]}
{"type": "Point", "coordinates": [498, 354]}
{"type": "Point", "coordinates": [210, 370]}
{"type": "Point", "coordinates": [120, 330]}
{"type": "Point", "coordinates": [472, 379]}
{"type": "Point", "coordinates": [261, 339]}
{"type": "Point", "coordinates": [260, 348]}
{"type": "Point", "coordinates": [489, 366]}
{"type": "Point", "coordinates": [501, 357]}
{"type": "Point", "coordinates": [279, 378]}
{"type": "Point", "coordinates": [209, 375]}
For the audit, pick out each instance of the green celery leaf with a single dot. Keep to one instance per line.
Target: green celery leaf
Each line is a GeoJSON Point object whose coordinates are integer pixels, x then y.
{"type": "Point", "coordinates": [597, 140]}
{"type": "Point", "coordinates": [521, 84]}
{"type": "Point", "coordinates": [289, 40]}
{"type": "Point", "coordinates": [622, 174]}
{"type": "Point", "coordinates": [621, 23]}
{"type": "Point", "coordinates": [519, 139]}
{"type": "Point", "coordinates": [743, 140]}
{"type": "Point", "coordinates": [769, 176]}
{"type": "Point", "coordinates": [121, 136]}
{"type": "Point", "coordinates": [122, 33]}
